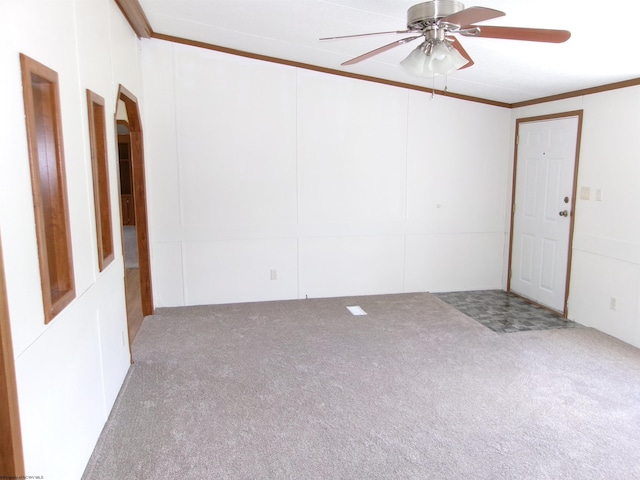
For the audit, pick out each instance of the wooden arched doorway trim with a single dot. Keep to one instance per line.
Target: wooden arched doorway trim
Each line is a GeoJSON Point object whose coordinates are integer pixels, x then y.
{"type": "Point", "coordinates": [140, 195]}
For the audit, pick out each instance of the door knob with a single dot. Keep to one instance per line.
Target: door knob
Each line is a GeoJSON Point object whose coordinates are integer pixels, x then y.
{"type": "Point", "coordinates": [564, 213]}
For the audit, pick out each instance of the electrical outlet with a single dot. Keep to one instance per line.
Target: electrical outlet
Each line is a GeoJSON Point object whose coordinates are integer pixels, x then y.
{"type": "Point", "coordinates": [585, 193]}
{"type": "Point", "coordinates": [274, 274]}
{"type": "Point", "coordinates": [613, 303]}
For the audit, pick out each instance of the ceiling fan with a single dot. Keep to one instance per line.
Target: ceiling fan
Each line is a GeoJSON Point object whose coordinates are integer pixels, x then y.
{"type": "Point", "coordinates": [440, 52]}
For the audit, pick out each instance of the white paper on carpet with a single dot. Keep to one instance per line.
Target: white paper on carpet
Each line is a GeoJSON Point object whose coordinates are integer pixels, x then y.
{"type": "Point", "coordinates": [356, 310]}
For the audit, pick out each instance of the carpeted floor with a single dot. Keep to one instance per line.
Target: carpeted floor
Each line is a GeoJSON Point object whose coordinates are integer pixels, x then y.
{"type": "Point", "coordinates": [130, 242]}
{"type": "Point", "coordinates": [413, 390]}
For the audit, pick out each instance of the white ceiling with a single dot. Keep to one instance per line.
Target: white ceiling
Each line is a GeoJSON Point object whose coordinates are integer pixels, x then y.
{"type": "Point", "coordinates": [600, 50]}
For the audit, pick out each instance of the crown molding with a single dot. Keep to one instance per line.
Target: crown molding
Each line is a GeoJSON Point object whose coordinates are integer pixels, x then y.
{"type": "Point", "coordinates": [579, 93]}
{"type": "Point", "coordinates": [136, 17]}
{"type": "Point", "coordinates": [315, 68]}
{"type": "Point", "coordinates": [134, 14]}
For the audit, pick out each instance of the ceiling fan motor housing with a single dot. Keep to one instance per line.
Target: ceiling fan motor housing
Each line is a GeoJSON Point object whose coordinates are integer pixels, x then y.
{"type": "Point", "coordinates": [426, 14]}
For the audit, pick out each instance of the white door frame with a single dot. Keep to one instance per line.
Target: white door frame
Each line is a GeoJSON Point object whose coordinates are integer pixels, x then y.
{"type": "Point", "coordinates": [575, 113]}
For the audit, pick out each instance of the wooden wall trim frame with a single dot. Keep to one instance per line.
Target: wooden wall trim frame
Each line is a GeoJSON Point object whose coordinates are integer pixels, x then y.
{"type": "Point", "coordinates": [49, 185]}
{"type": "Point", "coordinates": [139, 195]}
{"type": "Point", "coordinates": [100, 172]}
{"type": "Point", "coordinates": [134, 14]}
{"type": "Point", "coordinates": [306, 66]}
{"type": "Point", "coordinates": [136, 17]}
{"type": "Point", "coordinates": [574, 193]}
{"type": "Point", "coordinates": [579, 93]}
{"type": "Point", "coordinates": [11, 455]}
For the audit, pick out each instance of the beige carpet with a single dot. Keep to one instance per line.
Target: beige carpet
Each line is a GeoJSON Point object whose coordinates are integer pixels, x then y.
{"type": "Point", "coordinates": [130, 242]}
{"type": "Point", "coordinates": [413, 390]}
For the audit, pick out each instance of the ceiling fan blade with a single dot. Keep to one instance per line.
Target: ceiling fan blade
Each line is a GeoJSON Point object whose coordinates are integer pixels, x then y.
{"type": "Point", "coordinates": [380, 50]}
{"type": "Point", "coordinates": [471, 15]}
{"type": "Point", "coordinates": [455, 43]}
{"type": "Point", "coordinates": [365, 35]}
{"type": "Point", "coordinates": [515, 33]}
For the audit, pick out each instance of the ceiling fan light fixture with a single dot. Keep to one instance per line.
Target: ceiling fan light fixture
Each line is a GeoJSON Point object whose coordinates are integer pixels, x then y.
{"type": "Point", "coordinates": [446, 59]}
{"type": "Point", "coordinates": [433, 59]}
{"type": "Point", "coordinates": [415, 62]}
{"type": "Point", "coordinates": [441, 60]}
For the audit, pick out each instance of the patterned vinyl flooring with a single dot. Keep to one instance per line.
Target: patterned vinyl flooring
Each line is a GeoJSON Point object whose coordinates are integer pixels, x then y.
{"type": "Point", "coordinates": [503, 312]}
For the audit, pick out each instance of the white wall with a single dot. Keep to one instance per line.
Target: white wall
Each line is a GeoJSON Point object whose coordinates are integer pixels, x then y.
{"type": "Point", "coordinates": [69, 371]}
{"type": "Point", "coordinates": [343, 187]}
{"type": "Point", "coordinates": [606, 244]}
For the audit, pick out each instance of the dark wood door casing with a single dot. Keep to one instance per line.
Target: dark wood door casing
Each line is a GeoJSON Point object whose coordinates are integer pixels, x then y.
{"type": "Point", "coordinates": [139, 195]}
{"type": "Point", "coordinates": [11, 455]}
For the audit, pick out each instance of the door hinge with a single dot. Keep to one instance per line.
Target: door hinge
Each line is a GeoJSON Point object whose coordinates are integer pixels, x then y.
{"type": "Point", "coordinates": [517, 139]}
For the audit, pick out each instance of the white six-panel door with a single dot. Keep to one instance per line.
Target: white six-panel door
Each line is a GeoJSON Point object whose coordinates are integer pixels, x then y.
{"type": "Point", "coordinates": [546, 160]}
